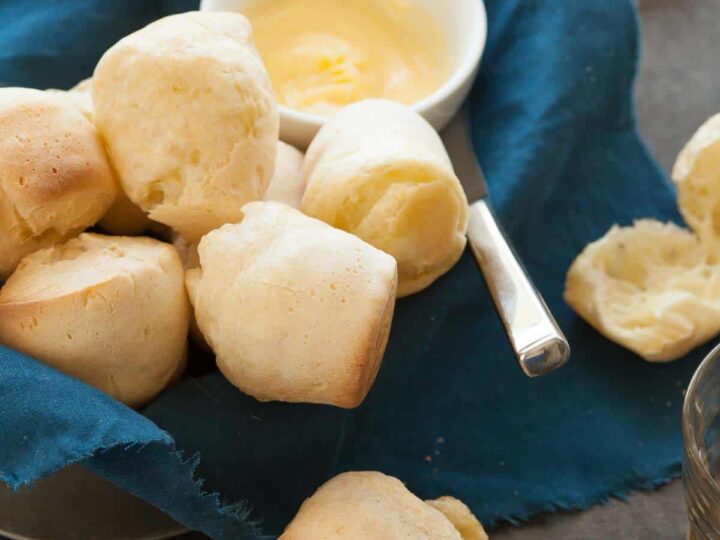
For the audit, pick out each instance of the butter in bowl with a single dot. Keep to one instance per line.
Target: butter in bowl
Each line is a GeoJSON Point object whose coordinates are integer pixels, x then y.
{"type": "Point", "coordinates": [322, 55]}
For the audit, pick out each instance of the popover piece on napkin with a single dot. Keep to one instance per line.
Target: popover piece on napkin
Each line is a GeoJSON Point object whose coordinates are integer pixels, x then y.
{"type": "Point", "coordinates": [294, 309]}
{"type": "Point", "coordinates": [649, 288]}
{"type": "Point", "coordinates": [109, 310]}
{"type": "Point", "coordinates": [652, 287]}
{"type": "Point", "coordinates": [697, 176]}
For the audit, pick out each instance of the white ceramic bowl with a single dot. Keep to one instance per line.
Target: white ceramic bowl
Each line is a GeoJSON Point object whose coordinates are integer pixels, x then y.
{"type": "Point", "coordinates": [464, 22]}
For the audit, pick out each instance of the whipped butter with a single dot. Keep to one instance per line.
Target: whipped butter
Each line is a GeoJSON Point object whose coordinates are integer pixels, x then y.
{"type": "Point", "coordinates": [325, 54]}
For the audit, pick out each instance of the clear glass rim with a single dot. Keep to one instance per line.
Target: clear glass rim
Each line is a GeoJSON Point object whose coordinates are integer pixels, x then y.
{"type": "Point", "coordinates": [692, 450]}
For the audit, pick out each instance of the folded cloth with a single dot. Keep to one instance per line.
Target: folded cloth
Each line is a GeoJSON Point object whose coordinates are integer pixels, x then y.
{"type": "Point", "coordinates": [450, 412]}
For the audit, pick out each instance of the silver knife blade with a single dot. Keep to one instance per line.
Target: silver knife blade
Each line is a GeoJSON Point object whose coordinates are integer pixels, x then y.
{"type": "Point", "coordinates": [458, 142]}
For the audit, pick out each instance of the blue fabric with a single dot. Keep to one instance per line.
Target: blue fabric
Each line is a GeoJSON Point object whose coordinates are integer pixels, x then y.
{"type": "Point", "coordinates": [450, 411]}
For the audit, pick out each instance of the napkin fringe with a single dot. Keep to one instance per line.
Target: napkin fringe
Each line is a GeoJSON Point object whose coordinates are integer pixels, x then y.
{"type": "Point", "coordinates": [578, 502]}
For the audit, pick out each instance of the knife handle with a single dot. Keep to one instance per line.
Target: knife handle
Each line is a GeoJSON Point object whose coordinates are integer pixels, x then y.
{"type": "Point", "coordinates": [538, 342]}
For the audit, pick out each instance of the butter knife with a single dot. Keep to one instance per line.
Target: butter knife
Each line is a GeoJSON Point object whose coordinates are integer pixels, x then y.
{"type": "Point", "coordinates": [536, 338]}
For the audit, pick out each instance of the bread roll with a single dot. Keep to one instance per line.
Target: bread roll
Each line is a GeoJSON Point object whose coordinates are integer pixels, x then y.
{"type": "Point", "coordinates": [460, 516]}
{"type": "Point", "coordinates": [368, 505]}
{"type": "Point", "coordinates": [188, 253]}
{"type": "Point", "coordinates": [187, 112]}
{"type": "Point", "coordinates": [109, 310]}
{"type": "Point", "coordinates": [287, 185]}
{"type": "Point", "coordinates": [54, 176]}
{"type": "Point", "coordinates": [80, 96]}
{"type": "Point", "coordinates": [697, 176]}
{"type": "Point", "coordinates": [294, 309]}
{"type": "Point", "coordinates": [648, 288]}
{"type": "Point", "coordinates": [123, 217]}
{"type": "Point", "coordinates": [378, 170]}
